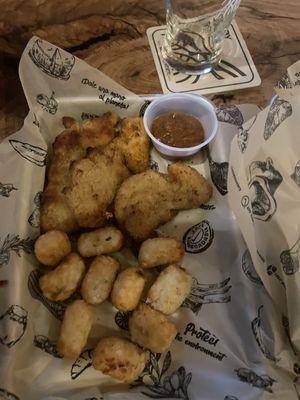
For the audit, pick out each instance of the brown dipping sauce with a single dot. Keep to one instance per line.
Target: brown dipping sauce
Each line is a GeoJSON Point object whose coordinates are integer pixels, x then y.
{"type": "Point", "coordinates": [177, 129]}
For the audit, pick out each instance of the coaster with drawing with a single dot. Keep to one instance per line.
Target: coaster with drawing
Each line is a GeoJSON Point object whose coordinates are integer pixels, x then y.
{"type": "Point", "coordinates": [235, 71]}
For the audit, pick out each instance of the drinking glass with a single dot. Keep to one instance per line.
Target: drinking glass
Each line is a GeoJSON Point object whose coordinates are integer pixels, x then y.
{"type": "Point", "coordinates": [195, 33]}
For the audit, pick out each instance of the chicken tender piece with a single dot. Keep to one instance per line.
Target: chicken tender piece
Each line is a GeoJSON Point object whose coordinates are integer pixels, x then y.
{"type": "Point", "coordinates": [151, 329]}
{"type": "Point", "coordinates": [101, 241]}
{"type": "Point", "coordinates": [70, 146]}
{"type": "Point", "coordinates": [128, 288]}
{"type": "Point", "coordinates": [94, 182]}
{"type": "Point", "coordinates": [63, 281]}
{"type": "Point", "coordinates": [119, 358]}
{"type": "Point", "coordinates": [51, 247]}
{"type": "Point", "coordinates": [170, 289]}
{"type": "Point", "coordinates": [135, 144]}
{"type": "Point", "coordinates": [98, 281]}
{"type": "Point", "coordinates": [190, 189]}
{"type": "Point", "coordinates": [75, 328]}
{"type": "Point", "coordinates": [149, 199]}
{"type": "Point", "coordinates": [143, 203]}
{"type": "Point", "coordinates": [159, 251]}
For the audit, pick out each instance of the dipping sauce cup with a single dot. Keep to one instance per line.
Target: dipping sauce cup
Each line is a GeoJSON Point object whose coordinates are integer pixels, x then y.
{"type": "Point", "coordinates": [189, 104]}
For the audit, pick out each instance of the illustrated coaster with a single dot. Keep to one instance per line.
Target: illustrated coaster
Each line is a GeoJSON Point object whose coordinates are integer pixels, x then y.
{"type": "Point", "coordinates": [235, 71]}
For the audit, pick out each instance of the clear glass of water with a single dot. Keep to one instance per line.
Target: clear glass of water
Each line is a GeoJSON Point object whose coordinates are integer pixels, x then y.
{"type": "Point", "coordinates": [195, 33]}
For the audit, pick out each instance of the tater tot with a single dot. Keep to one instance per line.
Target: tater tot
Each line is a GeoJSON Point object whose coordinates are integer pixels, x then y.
{"type": "Point", "coordinates": [128, 288]}
{"type": "Point", "coordinates": [170, 289]}
{"type": "Point", "coordinates": [119, 358]}
{"type": "Point", "coordinates": [51, 247]}
{"type": "Point", "coordinates": [98, 281]}
{"type": "Point", "coordinates": [159, 251]}
{"type": "Point", "coordinates": [151, 329]}
{"type": "Point", "coordinates": [75, 328]}
{"type": "Point", "coordinates": [101, 241]}
{"type": "Point", "coordinates": [64, 280]}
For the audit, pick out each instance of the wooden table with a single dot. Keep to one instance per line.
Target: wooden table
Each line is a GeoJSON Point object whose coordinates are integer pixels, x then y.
{"type": "Point", "coordinates": [114, 41]}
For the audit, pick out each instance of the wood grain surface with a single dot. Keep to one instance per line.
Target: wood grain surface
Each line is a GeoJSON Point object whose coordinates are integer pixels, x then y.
{"type": "Point", "coordinates": [112, 37]}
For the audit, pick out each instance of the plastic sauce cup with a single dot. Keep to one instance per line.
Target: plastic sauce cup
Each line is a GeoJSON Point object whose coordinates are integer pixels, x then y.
{"type": "Point", "coordinates": [194, 105]}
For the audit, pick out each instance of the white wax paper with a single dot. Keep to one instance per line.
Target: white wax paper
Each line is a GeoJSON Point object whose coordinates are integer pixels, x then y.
{"type": "Point", "coordinates": [231, 343]}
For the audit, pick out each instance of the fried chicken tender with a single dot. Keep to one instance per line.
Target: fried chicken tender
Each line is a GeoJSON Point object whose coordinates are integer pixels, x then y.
{"type": "Point", "coordinates": [150, 199]}
{"type": "Point", "coordinates": [159, 251]}
{"type": "Point", "coordinates": [63, 281]}
{"type": "Point", "coordinates": [119, 358]}
{"type": "Point", "coordinates": [98, 281]}
{"type": "Point", "coordinates": [169, 289]}
{"type": "Point", "coordinates": [52, 247]}
{"type": "Point", "coordinates": [75, 328]}
{"type": "Point", "coordinates": [151, 329]}
{"type": "Point", "coordinates": [94, 182]}
{"type": "Point", "coordinates": [134, 143]}
{"type": "Point", "coordinates": [128, 288]}
{"type": "Point", "coordinates": [70, 146]}
{"type": "Point", "coordinates": [101, 241]}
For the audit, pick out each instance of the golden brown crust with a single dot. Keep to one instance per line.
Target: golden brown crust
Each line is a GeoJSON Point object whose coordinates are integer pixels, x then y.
{"type": "Point", "coordinates": [119, 358]}
{"type": "Point", "coordinates": [160, 251]}
{"type": "Point", "coordinates": [128, 288]}
{"type": "Point", "coordinates": [63, 281]}
{"type": "Point", "coordinates": [151, 329]}
{"type": "Point", "coordinates": [75, 328]}
{"type": "Point", "coordinates": [98, 281]}
{"type": "Point", "coordinates": [52, 247]}
{"type": "Point", "coordinates": [101, 241]}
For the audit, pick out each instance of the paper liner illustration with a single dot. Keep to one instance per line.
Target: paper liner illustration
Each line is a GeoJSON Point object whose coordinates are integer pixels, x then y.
{"type": "Point", "coordinates": [221, 327]}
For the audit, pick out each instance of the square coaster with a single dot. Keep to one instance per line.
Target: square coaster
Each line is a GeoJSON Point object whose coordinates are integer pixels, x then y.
{"type": "Point", "coordinates": [236, 70]}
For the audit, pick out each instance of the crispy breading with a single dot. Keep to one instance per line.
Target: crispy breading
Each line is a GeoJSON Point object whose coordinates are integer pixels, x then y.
{"type": "Point", "coordinates": [128, 288]}
{"type": "Point", "coordinates": [97, 283]}
{"type": "Point", "coordinates": [160, 251]}
{"type": "Point", "coordinates": [142, 203]}
{"type": "Point", "coordinates": [119, 358]}
{"type": "Point", "coordinates": [52, 247]}
{"type": "Point", "coordinates": [149, 199]}
{"type": "Point", "coordinates": [70, 146]}
{"type": "Point", "coordinates": [170, 289]}
{"type": "Point", "coordinates": [101, 241]}
{"type": "Point", "coordinates": [151, 329]}
{"type": "Point", "coordinates": [94, 182]}
{"type": "Point", "coordinates": [134, 144]}
{"type": "Point", "coordinates": [63, 281]}
{"type": "Point", "coordinates": [75, 328]}
{"type": "Point", "coordinates": [190, 189]}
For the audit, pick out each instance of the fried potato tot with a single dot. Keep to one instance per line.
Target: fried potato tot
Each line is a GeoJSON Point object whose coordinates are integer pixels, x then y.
{"type": "Point", "coordinates": [101, 241]}
{"type": "Point", "coordinates": [98, 281]}
{"type": "Point", "coordinates": [169, 289]}
{"type": "Point", "coordinates": [75, 328]}
{"type": "Point", "coordinates": [160, 251]}
{"type": "Point", "coordinates": [51, 247]}
{"type": "Point", "coordinates": [127, 289]}
{"type": "Point", "coordinates": [151, 329]}
{"type": "Point", "coordinates": [63, 281]}
{"type": "Point", "coordinates": [119, 358]}
{"type": "Point", "coordinates": [134, 144]}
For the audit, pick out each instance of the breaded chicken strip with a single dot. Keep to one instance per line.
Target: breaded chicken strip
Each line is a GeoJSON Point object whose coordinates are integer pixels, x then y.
{"type": "Point", "coordinates": [94, 182]}
{"type": "Point", "coordinates": [150, 199]}
{"type": "Point", "coordinates": [134, 144]}
{"type": "Point", "coordinates": [170, 289]}
{"type": "Point", "coordinates": [119, 358]}
{"type": "Point", "coordinates": [70, 146]}
{"type": "Point", "coordinates": [160, 251]}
